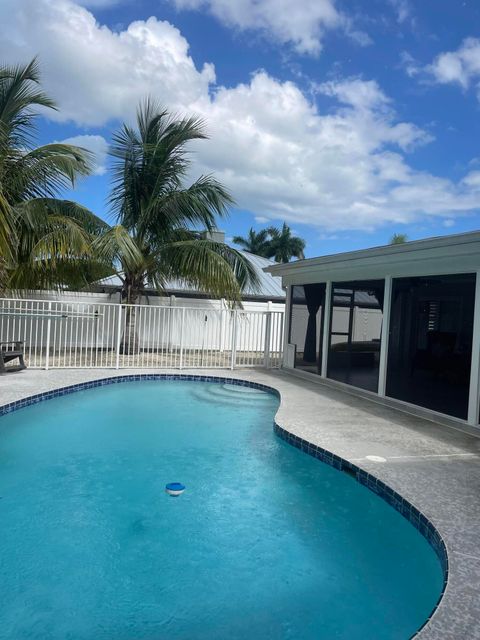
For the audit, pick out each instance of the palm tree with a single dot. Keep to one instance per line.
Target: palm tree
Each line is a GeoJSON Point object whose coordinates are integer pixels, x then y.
{"type": "Point", "coordinates": [398, 238]}
{"type": "Point", "coordinates": [283, 246]}
{"type": "Point", "coordinates": [44, 241]}
{"type": "Point", "coordinates": [256, 242]}
{"type": "Point", "coordinates": [154, 239]}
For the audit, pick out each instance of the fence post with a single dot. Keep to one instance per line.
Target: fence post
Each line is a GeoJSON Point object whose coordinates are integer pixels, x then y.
{"type": "Point", "coordinates": [171, 314]}
{"type": "Point", "coordinates": [119, 337]}
{"type": "Point", "coordinates": [268, 337]}
{"type": "Point", "coordinates": [181, 337]}
{"type": "Point", "coordinates": [49, 326]}
{"type": "Point", "coordinates": [222, 324]}
{"type": "Point", "coordinates": [234, 339]}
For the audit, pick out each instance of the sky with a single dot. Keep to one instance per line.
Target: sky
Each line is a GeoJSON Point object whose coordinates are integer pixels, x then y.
{"type": "Point", "coordinates": [348, 120]}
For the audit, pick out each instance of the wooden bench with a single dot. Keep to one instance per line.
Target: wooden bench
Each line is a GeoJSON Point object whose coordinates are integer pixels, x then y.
{"type": "Point", "coordinates": [11, 351]}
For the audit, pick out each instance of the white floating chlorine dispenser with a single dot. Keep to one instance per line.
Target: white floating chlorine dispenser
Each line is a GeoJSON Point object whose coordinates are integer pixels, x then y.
{"type": "Point", "coordinates": [175, 489]}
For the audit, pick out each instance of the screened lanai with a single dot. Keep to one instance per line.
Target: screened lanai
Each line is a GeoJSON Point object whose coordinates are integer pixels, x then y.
{"type": "Point", "coordinates": [401, 322]}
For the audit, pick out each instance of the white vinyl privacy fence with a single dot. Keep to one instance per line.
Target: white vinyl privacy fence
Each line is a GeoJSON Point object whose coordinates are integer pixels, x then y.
{"type": "Point", "coordinates": [62, 334]}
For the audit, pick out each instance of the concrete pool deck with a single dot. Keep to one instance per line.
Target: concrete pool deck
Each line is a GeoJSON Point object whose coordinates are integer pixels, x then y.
{"type": "Point", "coordinates": [436, 468]}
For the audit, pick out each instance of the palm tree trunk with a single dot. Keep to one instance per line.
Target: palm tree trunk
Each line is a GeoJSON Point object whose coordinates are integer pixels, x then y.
{"type": "Point", "coordinates": [130, 344]}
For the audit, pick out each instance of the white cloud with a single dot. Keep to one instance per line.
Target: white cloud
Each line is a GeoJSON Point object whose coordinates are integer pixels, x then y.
{"type": "Point", "coordinates": [460, 67]}
{"type": "Point", "coordinates": [357, 93]}
{"type": "Point", "coordinates": [100, 4]}
{"type": "Point", "coordinates": [302, 23]}
{"type": "Point", "coordinates": [373, 110]}
{"type": "Point", "coordinates": [409, 64]}
{"type": "Point", "coordinates": [97, 74]}
{"type": "Point", "coordinates": [472, 179]}
{"type": "Point", "coordinates": [402, 9]}
{"type": "Point", "coordinates": [283, 159]}
{"type": "Point", "coordinates": [97, 145]}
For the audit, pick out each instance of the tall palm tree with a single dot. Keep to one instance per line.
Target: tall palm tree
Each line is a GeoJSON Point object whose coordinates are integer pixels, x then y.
{"type": "Point", "coordinates": [398, 238]}
{"type": "Point", "coordinates": [44, 241]}
{"type": "Point", "coordinates": [154, 239]}
{"type": "Point", "coordinates": [256, 242]}
{"type": "Point", "coordinates": [283, 246]}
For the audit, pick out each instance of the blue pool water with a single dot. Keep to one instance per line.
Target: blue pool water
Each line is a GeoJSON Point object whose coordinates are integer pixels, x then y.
{"type": "Point", "coordinates": [266, 543]}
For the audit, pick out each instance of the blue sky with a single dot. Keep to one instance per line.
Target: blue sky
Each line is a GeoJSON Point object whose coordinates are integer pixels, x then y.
{"type": "Point", "coordinates": [349, 120]}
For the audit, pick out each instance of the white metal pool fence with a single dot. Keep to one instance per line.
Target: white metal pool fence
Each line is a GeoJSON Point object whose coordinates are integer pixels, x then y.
{"type": "Point", "coordinates": [107, 335]}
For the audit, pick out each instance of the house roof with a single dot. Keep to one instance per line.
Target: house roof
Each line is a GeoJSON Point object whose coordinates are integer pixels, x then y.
{"type": "Point", "coordinates": [270, 287]}
{"type": "Point", "coordinates": [444, 254]}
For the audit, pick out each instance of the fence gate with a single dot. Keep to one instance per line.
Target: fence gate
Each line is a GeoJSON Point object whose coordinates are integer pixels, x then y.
{"type": "Point", "coordinates": [258, 338]}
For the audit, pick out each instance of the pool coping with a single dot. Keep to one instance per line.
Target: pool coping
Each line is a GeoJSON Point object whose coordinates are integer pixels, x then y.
{"type": "Point", "coordinates": [403, 506]}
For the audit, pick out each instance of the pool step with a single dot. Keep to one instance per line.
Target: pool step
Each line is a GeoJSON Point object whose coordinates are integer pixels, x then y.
{"type": "Point", "coordinates": [230, 394]}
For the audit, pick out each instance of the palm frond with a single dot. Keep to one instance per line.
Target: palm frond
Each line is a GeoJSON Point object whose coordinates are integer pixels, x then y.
{"type": "Point", "coordinates": [19, 93]}
{"type": "Point", "coordinates": [60, 274]}
{"type": "Point", "coordinates": [117, 246]}
{"type": "Point", "coordinates": [61, 238]}
{"type": "Point", "coordinates": [197, 205]}
{"type": "Point", "coordinates": [45, 171]}
{"type": "Point", "coordinates": [8, 235]}
{"type": "Point", "coordinates": [55, 252]}
{"type": "Point", "coordinates": [34, 213]}
{"type": "Point", "coordinates": [211, 267]}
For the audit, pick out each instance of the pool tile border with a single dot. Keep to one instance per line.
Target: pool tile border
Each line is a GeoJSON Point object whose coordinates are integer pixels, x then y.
{"type": "Point", "coordinates": [394, 499]}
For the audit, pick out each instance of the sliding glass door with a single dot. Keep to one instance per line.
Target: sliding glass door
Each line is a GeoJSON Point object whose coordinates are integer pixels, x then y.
{"type": "Point", "coordinates": [355, 333]}
{"type": "Point", "coordinates": [306, 325]}
{"type": "Point", "coordinates": [430, 345]}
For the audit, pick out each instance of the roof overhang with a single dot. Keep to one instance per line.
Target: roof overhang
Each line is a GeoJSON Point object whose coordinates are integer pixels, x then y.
{"type": "Point", "coordinates": [447, 254]}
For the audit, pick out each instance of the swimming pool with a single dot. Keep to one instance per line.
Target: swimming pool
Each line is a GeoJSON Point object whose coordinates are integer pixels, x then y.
{"type": "Point", "coordinates": [266, 542]}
